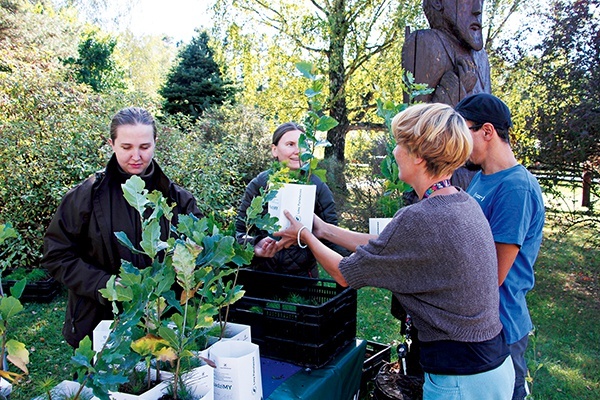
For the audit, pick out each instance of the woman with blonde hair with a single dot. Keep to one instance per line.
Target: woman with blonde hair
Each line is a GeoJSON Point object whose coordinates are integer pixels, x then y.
{"type": "Point", "coordinates": [436, 256]}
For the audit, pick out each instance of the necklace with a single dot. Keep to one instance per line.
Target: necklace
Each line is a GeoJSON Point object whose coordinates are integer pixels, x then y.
{"type": "Point", "coordinates": [436, 186]}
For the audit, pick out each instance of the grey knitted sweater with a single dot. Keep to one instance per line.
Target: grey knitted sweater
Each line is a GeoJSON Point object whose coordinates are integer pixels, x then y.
{"type": "Point", "coordinates": [438, 258]}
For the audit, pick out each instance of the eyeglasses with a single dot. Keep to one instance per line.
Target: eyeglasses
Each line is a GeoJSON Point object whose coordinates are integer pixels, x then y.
{"type": "Point", "coordinates": [475, 128]}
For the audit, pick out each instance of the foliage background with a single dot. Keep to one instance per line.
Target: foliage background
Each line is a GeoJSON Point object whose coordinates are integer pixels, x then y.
{"type": "Point", "coordinates": [53, 131]}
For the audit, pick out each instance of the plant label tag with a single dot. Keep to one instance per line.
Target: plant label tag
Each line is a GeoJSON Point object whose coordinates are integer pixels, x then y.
{"type": "Point", "coordinates": [376, 225]}
{"type": "Point", "coordinates": [299, 200]}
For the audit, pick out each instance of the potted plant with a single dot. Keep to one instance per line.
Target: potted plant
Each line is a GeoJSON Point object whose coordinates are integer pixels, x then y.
{"type": "Point", "coordinates": [294, 191]}
{"type": "Point", "coordinates": [393, 187]}
{"type": "Point", "coordinates": [151, 322]}
{"type": "Point", "coordinates": [16, 264]}
{"type": "Point", "coordinates": [11, 350]}
{"type": "Point", "coordinates": [40, 286]}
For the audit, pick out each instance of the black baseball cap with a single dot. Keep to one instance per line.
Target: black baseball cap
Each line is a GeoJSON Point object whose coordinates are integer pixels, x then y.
{"type": "Point", "coordinates": [484, 107]}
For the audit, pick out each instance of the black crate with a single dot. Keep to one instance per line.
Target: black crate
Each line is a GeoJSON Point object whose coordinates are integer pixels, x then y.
{"type": "Point", "coordinates": [299, 320]}
{"type": "Point", "coordinates": [376, 355]}
{"type": "Point", "coordinates": [41, 291]}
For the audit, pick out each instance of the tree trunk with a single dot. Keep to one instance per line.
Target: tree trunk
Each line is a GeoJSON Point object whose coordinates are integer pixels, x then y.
{"type": "Point", "coordinates": [337, 91]}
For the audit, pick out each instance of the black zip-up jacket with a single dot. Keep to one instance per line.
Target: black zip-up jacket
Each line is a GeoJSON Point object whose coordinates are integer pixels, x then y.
{"type": "Point", "coordinates": [81, 250]}
{"type": "Point", "coordinates": [293, 260]}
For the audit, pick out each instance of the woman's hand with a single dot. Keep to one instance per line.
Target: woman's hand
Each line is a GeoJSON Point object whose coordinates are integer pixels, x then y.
{"type": "Point", "coordinates": [289, 236]}
{"type": "Point", "coordinates": [266, 247]}
{"type": "Point", "coordinates": [319, 226]}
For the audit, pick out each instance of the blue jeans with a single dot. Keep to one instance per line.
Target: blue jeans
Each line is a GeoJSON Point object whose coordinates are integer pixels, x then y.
{"type": "Point", "coordinates": [517, 352]}
{"type": "Point", "coordinates": [496, 384]}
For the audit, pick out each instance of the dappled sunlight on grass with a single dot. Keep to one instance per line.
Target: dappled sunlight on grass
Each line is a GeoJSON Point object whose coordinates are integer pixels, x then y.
{"type": "Point", "coordinates": [374, 319]}
{"type": "Point", "coordinates": [565, 305]}
{"type": "Point", "coordinates": [572, 379]}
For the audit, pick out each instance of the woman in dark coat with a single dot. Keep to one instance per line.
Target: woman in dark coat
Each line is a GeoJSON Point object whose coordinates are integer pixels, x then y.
{"type": "Point", "coordinates": [295, 260]}
{"type": "Point", "coordinates": [80, 248]}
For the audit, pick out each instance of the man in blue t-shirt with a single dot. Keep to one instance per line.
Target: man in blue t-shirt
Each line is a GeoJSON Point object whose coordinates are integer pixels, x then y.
{"type": "Point", "coordinates": [511, 199]}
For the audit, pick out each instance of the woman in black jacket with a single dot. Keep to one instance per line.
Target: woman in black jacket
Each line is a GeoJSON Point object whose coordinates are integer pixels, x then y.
{"type": "Point", "coordinates": [295, 260]}
{"type": "Point", "coordinates": [80, 248]}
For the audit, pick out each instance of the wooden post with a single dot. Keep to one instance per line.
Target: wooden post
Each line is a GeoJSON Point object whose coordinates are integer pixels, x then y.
{"type": "Point", "coordinates": [587, 183]}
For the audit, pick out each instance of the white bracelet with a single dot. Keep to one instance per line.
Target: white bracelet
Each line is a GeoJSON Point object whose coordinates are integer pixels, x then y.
{"type": "Point", "coordinates": [299, 232]}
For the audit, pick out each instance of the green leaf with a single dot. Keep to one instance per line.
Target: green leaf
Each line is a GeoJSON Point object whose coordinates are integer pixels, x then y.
{"type": "Point", "coordinates": [135, 194]}
{"type": "Point", "coordinates": [321, 173]}
{"type": "Point", "coordinates": [255, 209]}
{"type": "Point", "coordinates": [9, 307]}
{"type": "Point", "coordinates": [311, 93]}
{"type": "Point", "coordinates": [17, 289]}
{"type": "Point", "coordinates": [124, 240]}
{"type": "Point", "coordinates": [326, 123]}
{"type": "Point", "coordinates": [151, 242]}
{"type": "Point", "coordinates": [318, 85]}
{"type": "Point", "coordinates": [116, 291]}
{"type": "Point", "coordinates": [243, 254]}
{"type": "Point", "coordinates": [169, 335]}
{"type": "Point", "coordinates": [161, 207]}
{"type": "Point", "coordinates": [84, 353]}
{"type": "Point", "coordinates": [305, 157]}
{"type": "Point", "coordinates": [7, 231]}
{"type": "Point", "coordinates": [192, 227]}
{"type": "Point", "coordinates": [306, 69]}
{"type": "Point", "coordinates": [218, 251]}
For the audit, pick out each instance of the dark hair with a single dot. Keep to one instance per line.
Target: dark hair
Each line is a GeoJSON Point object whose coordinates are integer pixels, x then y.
{"type": "Point", "coordinates": [503, 134]}
{"type": "Point", "coordinates": [285, 128]}
{"type": "Point", "coordinates": [484, 107]}
{"type": "Point", "coordinates": [131, 116]}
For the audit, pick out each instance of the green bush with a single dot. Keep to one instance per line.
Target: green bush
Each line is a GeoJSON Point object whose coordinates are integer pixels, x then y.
{"type": "Point", "coordinates": [53, 136]}
{"type": "Point", "coordinates": [215, 157]}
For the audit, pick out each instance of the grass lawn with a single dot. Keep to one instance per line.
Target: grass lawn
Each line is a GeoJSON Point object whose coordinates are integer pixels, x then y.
{"type": "Point", "coordinates": [564, 354]}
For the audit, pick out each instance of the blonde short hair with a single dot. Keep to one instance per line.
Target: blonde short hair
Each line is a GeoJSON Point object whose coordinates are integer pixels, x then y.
{"type": "Point", "coordinates": [436, 133]}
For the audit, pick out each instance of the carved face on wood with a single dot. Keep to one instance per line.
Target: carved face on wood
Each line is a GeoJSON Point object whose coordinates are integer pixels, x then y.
{"type": "Point", "coordinates": [460, 18]}
{"type": "Point", "coordinates": [466, 18]}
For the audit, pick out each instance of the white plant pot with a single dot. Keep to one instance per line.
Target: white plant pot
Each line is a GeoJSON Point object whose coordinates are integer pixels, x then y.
{"type": "Point", "coordinates": [238, 375]}
{"type": "Point", "coordinates": [5, 387]}
{"type": "Point", "coordinates": [376, 225]}
{"type": "Point", "coordinates": [299, 200]}
{"type": "Point", "coordinates": [153, 394]}
{"type": "Point", "coordinates": [233, 331]}
{"type": "Point", "coordinates": [66, 389]}
{"type": "Point", "coordinates": [200, 381]}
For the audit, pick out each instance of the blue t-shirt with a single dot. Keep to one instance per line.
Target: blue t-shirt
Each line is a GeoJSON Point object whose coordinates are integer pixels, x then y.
{"type": "Point", "coordinates": [512, 202]}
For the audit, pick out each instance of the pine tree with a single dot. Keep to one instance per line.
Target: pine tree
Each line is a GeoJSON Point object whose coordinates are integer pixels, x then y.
{"type": "Point", "coordinates": [95, 65]}
{"type": "Point", "coordinates": [195, 83]}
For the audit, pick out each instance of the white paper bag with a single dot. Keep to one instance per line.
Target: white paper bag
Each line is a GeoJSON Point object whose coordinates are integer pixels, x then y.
{"type": "Point", "coordinates": [100, 334]}
{"type": "Point", "coordinates": [376, 225]}
{"type": "Point", "coordinates": [237, 376]}
{"type": "Point", "coordinates": [299, 200]}
{"type": "Point", "coordinates": [233, 331]}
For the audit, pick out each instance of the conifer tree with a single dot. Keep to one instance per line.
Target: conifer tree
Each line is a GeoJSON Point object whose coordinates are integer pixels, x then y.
{"type": "Point", "coordinates": [95, 65]}
{"type": "Point", "coordinates": [195, 82]}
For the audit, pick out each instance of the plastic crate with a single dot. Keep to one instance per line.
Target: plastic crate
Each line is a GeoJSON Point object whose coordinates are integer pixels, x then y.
{"type": "Point", "coordinates": [299, 320]}
{"type": "Point", "coordinates": [41, 292]}
{"type": "Point", "coordinates": [376, 355]}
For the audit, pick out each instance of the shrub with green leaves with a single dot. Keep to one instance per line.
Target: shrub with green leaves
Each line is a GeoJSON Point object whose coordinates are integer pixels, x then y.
{"type": "Point", "coordinates": [215, 157]}
{"type": "Point", "coordinates": [152, 321]}
{"type": "Point", "coordinates": [53, 137]}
